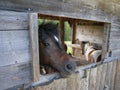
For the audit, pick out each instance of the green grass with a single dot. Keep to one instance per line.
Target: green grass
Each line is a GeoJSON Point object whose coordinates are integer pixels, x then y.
{"type": "Point", "coordinates": [69, 49]}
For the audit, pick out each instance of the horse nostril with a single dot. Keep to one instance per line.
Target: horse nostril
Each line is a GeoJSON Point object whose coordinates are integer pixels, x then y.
{"type": "Point", "coordinates": [70, 67]}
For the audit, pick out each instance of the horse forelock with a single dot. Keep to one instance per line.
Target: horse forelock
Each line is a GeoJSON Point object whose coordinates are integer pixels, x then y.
{"type": "Point", "coordinates": [52, 30]}
{"type": "Point", "coordinates": [49, 28]}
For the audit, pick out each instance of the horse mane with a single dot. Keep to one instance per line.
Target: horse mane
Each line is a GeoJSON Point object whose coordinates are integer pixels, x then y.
{"type": "Point", "coordinates": [49, 28]}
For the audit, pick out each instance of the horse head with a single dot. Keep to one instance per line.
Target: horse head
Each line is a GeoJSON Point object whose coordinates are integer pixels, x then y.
{"type": "Point", "coordinates": [51, 51]}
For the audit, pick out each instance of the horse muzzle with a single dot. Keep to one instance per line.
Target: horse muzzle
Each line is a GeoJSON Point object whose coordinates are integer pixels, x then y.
{"type": "Point", "coordinates": [70, 66]}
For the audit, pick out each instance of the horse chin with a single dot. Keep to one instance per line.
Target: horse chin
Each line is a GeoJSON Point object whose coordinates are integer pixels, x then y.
{"type": "Point", "coordinates": [64, 75]}
{"type": "Point", "coordinates": [67, 73]}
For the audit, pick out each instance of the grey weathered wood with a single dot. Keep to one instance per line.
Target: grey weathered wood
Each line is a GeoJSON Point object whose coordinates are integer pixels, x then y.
{"type": "Point", "coordinates": [117, 76]}
{"type": "Point", "coordinates": [71, 83]}
{"type": "Point", "coordinates": [34, 46]}
{"type": "Point", "coordinates": [116, 19]}
{"type": "Point", "coordinates": [115, 34]}
{"type": "Point", "coordinates": [90, 33]}
{"type": "Point", "coordinates": [115, 27]}
{"type": "Point", "coordinates": [83, 83]}
{"type": "Point", "coordinates": [105, 43]}
{"type": "Point", "coordinates": [112, 79]}
{"type": "Point", "coordinates": [62, 26]}
{"type": "Point", "coordinates": [14, 47]}
{"type": "Point", "coordinates": [116, 53]}
{"type": "Point", "coordinates": [10, 20]}
{"type": "Point", "coordinates": [103, 75]}
{"type": "Point", "coordinates": [98, 77]}
{"type": "Point", "coordinates": [109, 72]}
{"type": "Point", "coordinates": [114, 44]}
{"type": "Point", "coordinates": [92, 79]}
{"type": "Point", "coordinates": [100, 10]}
{"type": "Point", "coordinates": [89, 66]}
{"type": "Point", "coordinates": [75, 9]}
{"type": "Point", "coordinates": [16, 74]}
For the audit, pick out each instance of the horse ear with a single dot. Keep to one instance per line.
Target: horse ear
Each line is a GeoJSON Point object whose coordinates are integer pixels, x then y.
{"type": "Point", "coordinates": [41, 34]}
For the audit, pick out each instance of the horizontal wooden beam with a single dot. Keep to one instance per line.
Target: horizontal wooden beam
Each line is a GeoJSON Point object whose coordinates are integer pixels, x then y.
{"type": "Point", "coordinates": [74, 46]}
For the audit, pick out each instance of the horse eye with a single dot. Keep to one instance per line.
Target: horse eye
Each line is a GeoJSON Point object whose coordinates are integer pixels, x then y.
{"type": "Point", "coordinates": [46, 44]}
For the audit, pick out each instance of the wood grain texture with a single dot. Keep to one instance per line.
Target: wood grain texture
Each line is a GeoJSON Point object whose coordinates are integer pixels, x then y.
{"type": "Point", "coordinates": [73, 28]}
{"type": "Point", "coordinates": [92, 79]}
{"type": "Point", "coordinates": [10, 20]}
{"type": "Point", "coordinates": [14, 47]}
{"type": "Point", "coordinates": [105, 43]}
{"type": "Point", "coordinates": [62, 30]}
{"type": "Point", "coordinates": [34, 46]}
{"type": "Point", "coordinates": [96, 10]}
{"type": "Point", "coordinates": [90, 33]}
{"type": "Point", "coordinates": [117, 76]}
{"type": "Point", "coordinates": [16, 74]}
{"type": "Point", "coordinates": [114, 44]}
{"type": "Point", "coordinates": [83, 83]}
{"type": "Point", "coordinates": [103, 75]}
{"type": "Point", "coordinates": [98, 77]}
{"type": "Point", "coordinates": [75, 9]}
{"type": "Point", "coordinates": [108, 78]}
{"type": "Point", "coordinates": [116, 53]}
{"type": "Point", "coordinates": [112, 82]}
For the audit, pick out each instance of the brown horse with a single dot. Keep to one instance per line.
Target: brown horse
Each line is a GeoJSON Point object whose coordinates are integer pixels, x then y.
{"type": "Point", "coordinates": [52, 53]}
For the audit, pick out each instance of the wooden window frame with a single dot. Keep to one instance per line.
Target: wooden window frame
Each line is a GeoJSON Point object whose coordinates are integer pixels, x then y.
{"type": "Point", "coordinates": [33, 27]}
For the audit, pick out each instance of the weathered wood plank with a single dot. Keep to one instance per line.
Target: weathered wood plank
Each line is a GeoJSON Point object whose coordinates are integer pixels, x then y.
{"type": "Point", "coordinates": [117, 77]}
{"type": "Point", "coordinates": [75, 9]}
{"type": "Point", "coordinates": [105, 43]}
{"type": "Point", "coordinates": [10, 20]}
{"type": "Point", "coordinates": [13, 75]}
{"type": "Point", "coordinates": [77, 46]}
{"type": "Point", "coordinates": [92, 79]}
{"type": "Point", "coordinates": [83, 83]}
{"type": "Point", "coordinates": [114, 44]}
{"type": "Point", "coordinates": [108, 78]}
{"type": "Point", "coordinates": [14, 57]}
{"type": "Point", "coordinates": [98, 77]}
{"type": "Point", "coordinates": [14, 47]}
{"type": "Point", "coordinates": [62, 26]}
{"type": "Point", "coordinates": [103, 75]}
{"type": "Point", "coordinates": [60, 84]}
{"type": "Point", "coordinates": [115, 34]}
{"type": "Point", "coordinates": [90, 33]}
{"type": "Point", "coordinates": [34, 47]}
{"type": "Point", "coordinates": [72, 83]}
{"type": "Point", "coordinates": [116, 19]}
{"type": "Point", "coordinates": [116, 53]}
{"type": "Point", "coordinates": [112, 82]}
{"type": "Point", "coordinates": [73, 28]}
{"type": "Point", "coordinates": [115, 27]}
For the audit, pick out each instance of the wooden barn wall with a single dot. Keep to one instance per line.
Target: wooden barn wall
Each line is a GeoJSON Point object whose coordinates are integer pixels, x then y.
{"type": "Point", "coordinates": [103, 77]}
{"type": "Point", "coordinates": [14, 49]}
{"type": "Point", "coordinates": [90, 33]}
{"type": "Point", "coordinates": [96, 10]}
